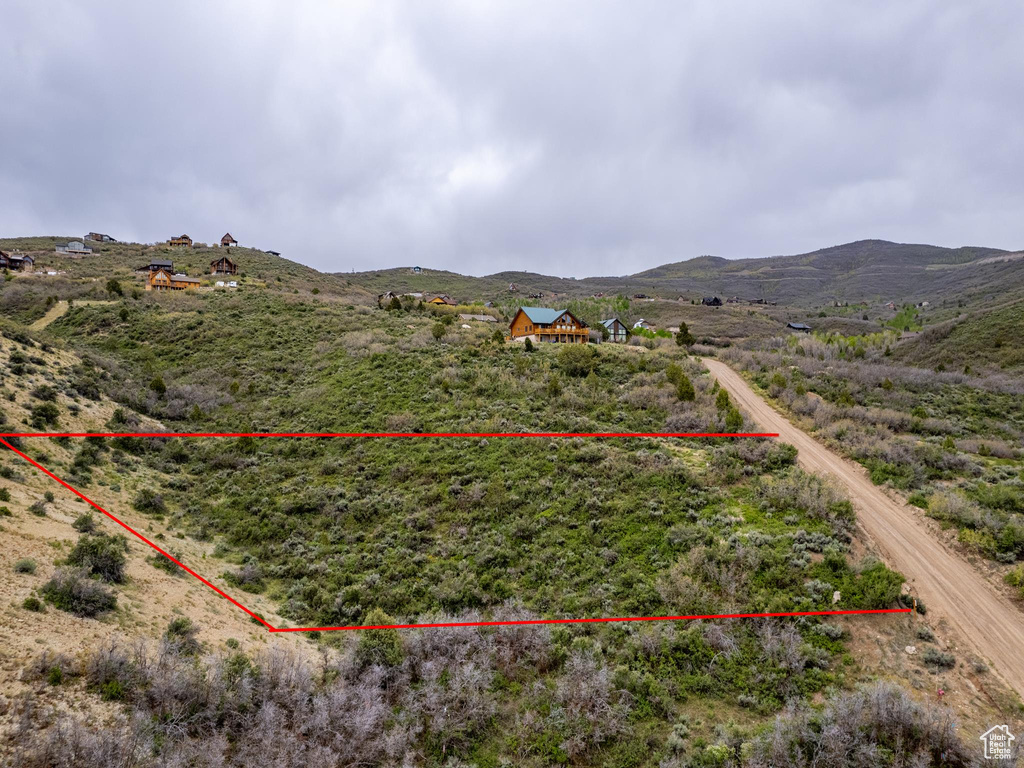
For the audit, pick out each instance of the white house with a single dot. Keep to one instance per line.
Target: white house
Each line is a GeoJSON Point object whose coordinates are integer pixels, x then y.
{"type": "Point", "coordinates": [641, 323]}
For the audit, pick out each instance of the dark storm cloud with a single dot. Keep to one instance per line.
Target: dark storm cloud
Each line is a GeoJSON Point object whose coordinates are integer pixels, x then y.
{"type": "Point", "coordinates": [575, 137]}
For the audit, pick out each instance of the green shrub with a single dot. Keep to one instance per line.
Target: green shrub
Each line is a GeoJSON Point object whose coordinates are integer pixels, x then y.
{"type": "Point", "coordinates": [5, 495]}
{"type": "Point", "coordinates": [933, 657]}
{"type": "Point", "coordinates": [166, 564]}
{"type": "Point", "coordinates": [44, 414]}
{"type": "Point", "coordinates": [25, 565]}
{"type": "Point", "coordinates": [85, 523]}
{"type": "Point", "coordinates": [73, 591]}
{"type": "Point", "coordinates": [55, 675]}
{"type": "Point", "coordinates": [685, 391]}
{"type": "Point", "coordinates": [32, 604]}
{"type": "Point", "coordinates": [918, 499]}
{"type": "Point", "coordinates": [101, 555]}
{"type": "Point", "coordinates": [181, 636]}
{"type": "Point", "coordinates": [381, 647]}
{"type": "Point", "coordinates": [722, 400]}
{"type": "Point", "coordinates": [149, 501]}
{"type": "Point", "coordinates": [733, 420]}
{"type": "Point", "coordinates": [683, 337]}
{"type": "Point", "coordinates": [576, 360]}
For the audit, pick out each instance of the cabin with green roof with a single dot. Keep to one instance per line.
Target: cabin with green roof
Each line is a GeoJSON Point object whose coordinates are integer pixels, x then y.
{"type": "Point", "coordinates": [540, 324]}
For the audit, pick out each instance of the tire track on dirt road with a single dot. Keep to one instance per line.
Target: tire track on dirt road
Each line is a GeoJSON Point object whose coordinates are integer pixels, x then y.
{"type": "Point", "coordinates": [951, 588]}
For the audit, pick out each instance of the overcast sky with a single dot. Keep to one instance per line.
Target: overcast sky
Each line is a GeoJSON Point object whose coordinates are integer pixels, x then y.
{"type": "Point", "coordinates": [572, 138]}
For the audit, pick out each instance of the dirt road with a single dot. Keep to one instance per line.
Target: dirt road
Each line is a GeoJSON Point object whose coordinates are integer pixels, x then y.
{"type": "Point", "coordinates": [950, 587]}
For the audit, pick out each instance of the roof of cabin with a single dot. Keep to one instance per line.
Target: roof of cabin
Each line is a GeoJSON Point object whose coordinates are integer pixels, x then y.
{"type": "Point", "coordinates": [543, 314]}
{"type": "Point", "coordinates": [610, 322]}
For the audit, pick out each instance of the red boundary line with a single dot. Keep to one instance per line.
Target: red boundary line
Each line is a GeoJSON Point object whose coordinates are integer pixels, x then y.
{"type": "Point", "coordinates": [270, 628]}
{"type": "Point", "coordinates": [389, 434]}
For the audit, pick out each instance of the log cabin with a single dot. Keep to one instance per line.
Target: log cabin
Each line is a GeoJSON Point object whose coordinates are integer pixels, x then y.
{"type": "Point", "coordinates": [540, 324]}
{"type": "Point", "coordinates": [99, 237]}
{"type": "Point", "coordinates": [165, 280]}
{"type": "Point", "coordinates": [227, 240]}
{"type": "Point", "coordinates": [223, 266]}
{"type": "Point", "coordinates": [184, 240]}
{"type": "Point", "coordinates": [442, 299]}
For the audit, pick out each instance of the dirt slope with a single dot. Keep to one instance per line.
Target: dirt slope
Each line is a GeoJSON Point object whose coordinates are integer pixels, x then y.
{"type": "Point", "coordinates": [950, 587]}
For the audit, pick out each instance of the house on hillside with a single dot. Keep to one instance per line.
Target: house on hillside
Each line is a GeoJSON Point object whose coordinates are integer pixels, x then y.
{"type": "Point", "coordinates": [385, 299]}
{"type": "Point", "coordinates": [98, 237]}
{"type": "Point", "coordinates": [416, 270]}
{"type": "Point", "coordinates": [227, 240]}
{"type": "Point", "coordinates": [273, 253]}
{"type": "Point", "coordinates": [478, 318]}
{"type": "Point", "coordinates": [540, 324]}
{"type": "Point", "coordinates": [16, 262]}
{"type": "Point", "coordinates": [442, 299]}
{"type": "Point", "coordinates": [157, 264]}
{"type": "Point", "coordinates": [183, 241]}
{"type": "Point", "coordinates": [223, 266]}
{"type": "Point", "coordinates": [711, 301]}
{"type": "Point", "coordinates": [513, 288]}
{"type": "Point", "coordinates": [74, 248]}
{"type": "Point", "coordinates": [616, 330]}
{"type": "Point", "coordinates": [801, 327]}
{"type": "Point", "coordinates": [641, 323]}
{"type": "Point", "coordinates": [639, 295]}
{"type": "Point", "coordinates": [165, 280]}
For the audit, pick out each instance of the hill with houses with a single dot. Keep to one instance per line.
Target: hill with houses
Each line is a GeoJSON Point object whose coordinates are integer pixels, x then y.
{"type": "Point", "coordinates": [862, 271]}
{"type": "Point", "coordinates": [353, 532]}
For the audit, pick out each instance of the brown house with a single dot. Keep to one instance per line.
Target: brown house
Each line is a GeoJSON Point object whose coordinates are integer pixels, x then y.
{"type": "Point", "coordinates": [184, 240]}
{"type": "Point", "coordinates": [165, 280]}
{"type": "Point", "coordinates": [223, 266]}
{"type": "Point", "coordinates": [15, 261]}
{"type": "Point", "coordinates": [228, 240]}
{"type": "Point", "coordinates": [442, 299]}
{"type": "Point", "coordinates": [540, 324]}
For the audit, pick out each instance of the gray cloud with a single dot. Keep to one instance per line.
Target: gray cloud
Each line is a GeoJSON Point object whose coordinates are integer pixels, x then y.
{"type": "Point", "coordinates": [577, 137]}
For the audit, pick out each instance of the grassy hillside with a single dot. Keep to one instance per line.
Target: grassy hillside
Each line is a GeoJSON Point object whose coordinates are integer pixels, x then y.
{"type": "Point", "coordinates": [982, 338]}
{"type": "Point", "coordinates": [349, 532]}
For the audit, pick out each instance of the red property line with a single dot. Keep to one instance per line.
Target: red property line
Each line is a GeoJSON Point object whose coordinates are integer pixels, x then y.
{"type": "Point", "coordinates": [270, 628]}
{"type": "Point", "coordinates": [135, 533]}
{"type": "Point", "coordinates": [389, 434]}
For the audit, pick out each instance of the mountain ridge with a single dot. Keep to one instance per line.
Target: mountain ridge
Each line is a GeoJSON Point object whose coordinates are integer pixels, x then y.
{"type": "Point", "coordinates": [863, 270]}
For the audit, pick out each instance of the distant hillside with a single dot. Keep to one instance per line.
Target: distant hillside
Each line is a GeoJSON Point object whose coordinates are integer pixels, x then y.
{"type": "Point", "coordinates": [990, 337]}
{"type": "Point", "coordinates": [863, 271]}
{"type": "Point", "coordinates": [86, 277]}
